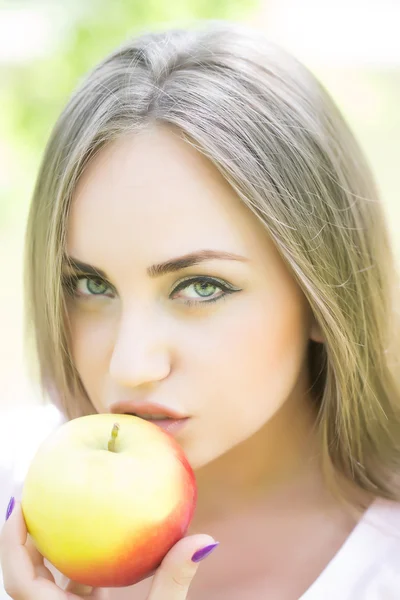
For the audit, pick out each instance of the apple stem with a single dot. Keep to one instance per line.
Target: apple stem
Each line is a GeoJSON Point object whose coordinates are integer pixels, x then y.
{"type": "Point", "coordinates": [114, 434]}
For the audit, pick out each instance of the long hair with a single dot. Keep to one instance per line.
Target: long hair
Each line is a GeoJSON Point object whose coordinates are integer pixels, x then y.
{"type": "Point", "coordinates": [276, 136]}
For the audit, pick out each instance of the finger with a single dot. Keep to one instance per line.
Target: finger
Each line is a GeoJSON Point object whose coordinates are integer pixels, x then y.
{"type": "Point", "coordinates": [84, 591]}
{"type": "Point", "coordinates": [33, 554]}
{"type": "Point", "coordinates": [17, 566]}
{"type": "Point", "coordinates": [75, 591]}
{"type": "Point", "coordinates": [78, 589]}
{"type": "Point", "coordinates": [176, 572]}
{"type": "Point", "coordinates": [38, 561]}
{"type": "Point", "coordinates": [22, 563]}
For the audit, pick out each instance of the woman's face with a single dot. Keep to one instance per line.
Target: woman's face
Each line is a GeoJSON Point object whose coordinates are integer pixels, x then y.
{"type": "Point", "coordinates": [222, 341]}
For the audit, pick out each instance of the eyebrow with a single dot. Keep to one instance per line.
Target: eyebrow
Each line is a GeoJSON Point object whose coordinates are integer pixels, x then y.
{"type": "Point", "coordinates": [158, 270]}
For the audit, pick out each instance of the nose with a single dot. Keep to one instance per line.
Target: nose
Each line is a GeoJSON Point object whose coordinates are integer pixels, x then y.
{"type": "Point", "coordinates": [140, 355]}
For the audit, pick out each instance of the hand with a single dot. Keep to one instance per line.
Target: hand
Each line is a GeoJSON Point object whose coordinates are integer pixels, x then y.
{"type": "Point", "coordinates": [174, 576]}
{"type": "Point", "coordinates": [27, 578]}
{"type": "Point", "coordinates": [25, 575]}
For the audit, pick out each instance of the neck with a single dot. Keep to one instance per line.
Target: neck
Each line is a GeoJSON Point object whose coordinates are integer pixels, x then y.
{"type": "Point", "coordinates": [279, 466]}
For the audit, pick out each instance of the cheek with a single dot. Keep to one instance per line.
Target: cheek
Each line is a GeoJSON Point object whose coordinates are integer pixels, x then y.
{"type": "Point", "coordinates": [275, 339]}
{"type": "Point", "coordinates": [260, 362]}
{"type": "Point", "coordinates": [91, 344]}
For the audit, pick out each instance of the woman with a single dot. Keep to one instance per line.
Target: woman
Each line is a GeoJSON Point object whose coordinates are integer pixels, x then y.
{"type": "Point", "coordinates": [205, 240]}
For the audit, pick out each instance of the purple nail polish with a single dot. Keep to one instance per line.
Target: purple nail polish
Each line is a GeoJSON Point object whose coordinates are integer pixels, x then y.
{"type": "Point", "coordinates": [203, 552]}
{"type": "Point", "coordinates": [10, 507]}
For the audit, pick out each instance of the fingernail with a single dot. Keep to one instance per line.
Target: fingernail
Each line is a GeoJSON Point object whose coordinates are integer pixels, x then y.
{"type": "Point", "coordinates": [204, 552]}
{"type": "Point", "coordinates": [10, 507]}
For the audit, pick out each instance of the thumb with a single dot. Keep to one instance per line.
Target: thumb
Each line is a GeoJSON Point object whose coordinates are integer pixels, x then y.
{"type": "Point", "coordinates": [179, 566]}
{"type": "Point", "coordinates": [79, 590]}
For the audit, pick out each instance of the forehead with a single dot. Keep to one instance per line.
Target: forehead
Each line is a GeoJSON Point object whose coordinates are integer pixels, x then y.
{"type": "Point", "coordinates": [153, 193]}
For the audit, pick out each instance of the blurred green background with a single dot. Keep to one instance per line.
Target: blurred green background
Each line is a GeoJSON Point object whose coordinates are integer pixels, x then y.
{"type": "Point", "coordinates": [45, 48]}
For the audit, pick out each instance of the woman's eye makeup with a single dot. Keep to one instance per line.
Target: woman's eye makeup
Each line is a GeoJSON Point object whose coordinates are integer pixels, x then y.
{"type": "Point", "coordinates": [203, 290]}
{"type": "Point", "coordinates": [83, 285]}
{"type": "Point", "coordinates": [199, 290]}
{"type": "Point", "coordinates": [88, 286]}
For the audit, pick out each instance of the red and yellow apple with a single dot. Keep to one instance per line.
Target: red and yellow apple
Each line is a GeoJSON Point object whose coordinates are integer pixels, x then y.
{"type": "Point", "coordinates": [104, 502]}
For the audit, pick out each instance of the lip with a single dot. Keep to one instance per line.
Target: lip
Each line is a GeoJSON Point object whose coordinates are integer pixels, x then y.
{"type": "Point", "coordinates": [171, 426]}
{"type": "Point", "coordinates": [144, 408]}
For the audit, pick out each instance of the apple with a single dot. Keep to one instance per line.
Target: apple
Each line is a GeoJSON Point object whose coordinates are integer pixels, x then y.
{"type": "Point", "coordinates": [106, 496]}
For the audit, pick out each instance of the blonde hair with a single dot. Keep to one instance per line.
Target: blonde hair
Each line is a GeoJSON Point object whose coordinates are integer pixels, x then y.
{"type": "Point", "coordinates": [278, 139]}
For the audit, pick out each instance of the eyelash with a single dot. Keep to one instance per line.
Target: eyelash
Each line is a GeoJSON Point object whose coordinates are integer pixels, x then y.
{"type": "Point", "coordinates": [70, 282]}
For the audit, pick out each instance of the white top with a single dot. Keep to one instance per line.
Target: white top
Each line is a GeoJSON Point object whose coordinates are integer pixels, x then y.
{"type": "Point", "coordinates": [367, 567]}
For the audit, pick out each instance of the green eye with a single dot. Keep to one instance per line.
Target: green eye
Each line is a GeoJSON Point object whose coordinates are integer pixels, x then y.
{"type": "Point", "coordinates": [96, 286]}
{"type": "Point", "coordinates": [205, 288]}
{"type": "Point", "coordinates": [83, 286]}
{"type": "Point", "coordinates": [210, 289]}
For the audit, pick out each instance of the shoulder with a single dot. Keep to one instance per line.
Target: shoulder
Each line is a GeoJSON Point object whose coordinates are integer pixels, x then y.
{"type": "Point", "coordinates": [21, 433]}
{"type": "Point", "coordinates": [367, 567]}
{"type": "Point", "coordinates": [382, 530]}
